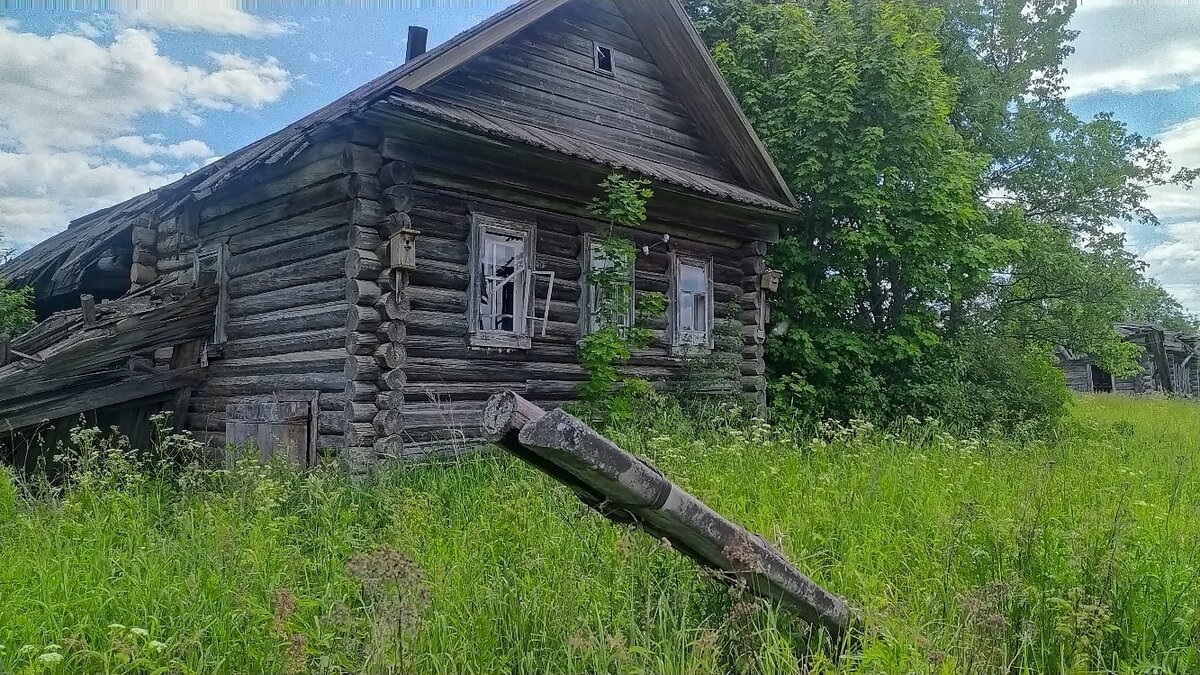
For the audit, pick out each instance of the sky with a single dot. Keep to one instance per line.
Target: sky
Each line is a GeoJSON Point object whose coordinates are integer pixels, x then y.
{"type": "Point", "coordinates": [100, 101]}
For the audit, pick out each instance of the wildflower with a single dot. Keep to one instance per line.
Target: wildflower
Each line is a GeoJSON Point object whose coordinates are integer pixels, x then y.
{"type": "Point", "coordinates": [116, 626]}
{"type": "Point", "coordinates": [27, 649]}
{"type": "Point", "coordinates": [52, 648]}
{"type": "Point", "coordinates": [157, 646]}
{"type": "Point", "coordinates": [140, 632]}
{"type": "Point", "coordinates": [51, 658]}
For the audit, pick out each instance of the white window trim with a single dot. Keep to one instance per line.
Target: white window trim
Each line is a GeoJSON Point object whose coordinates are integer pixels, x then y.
{"type": "Point", "coordinates": [591, 318]}
{"type": "Point", "coordinates": [677, 337]}
{"type": "Point", "coordinates": [520, 337]}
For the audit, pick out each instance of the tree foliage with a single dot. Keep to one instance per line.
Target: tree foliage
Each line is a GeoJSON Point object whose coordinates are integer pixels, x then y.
{"type": "Point", "coordinates": [16, 306]}
{"type": "Point", "coordinates": [956, 217]}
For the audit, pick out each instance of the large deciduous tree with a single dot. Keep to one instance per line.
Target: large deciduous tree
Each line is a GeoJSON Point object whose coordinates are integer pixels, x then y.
{"type": "Point", "coordinates": [852, 101]}
{"type": "Point", "coordinates": [956, 216]}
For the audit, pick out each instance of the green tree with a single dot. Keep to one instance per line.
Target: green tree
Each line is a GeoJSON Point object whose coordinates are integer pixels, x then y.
{"type": "Point", "coordinates": [852, 101]}
{"type": "Point", "coordinates": [16, 306]}
{"type": "Point", "coordinates": [1152, 303]}
{"type": "Point", "coordinates": [1055, 182]}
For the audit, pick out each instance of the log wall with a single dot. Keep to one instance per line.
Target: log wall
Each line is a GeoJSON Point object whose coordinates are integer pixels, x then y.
{"type": "Point", "coordinates": [435, 383]}
{"type": "Point", "coordinates": [286, 237]}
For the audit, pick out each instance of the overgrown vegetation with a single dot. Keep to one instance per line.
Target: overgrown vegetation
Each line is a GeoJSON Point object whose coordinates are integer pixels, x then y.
{"type": "Point", "coordinates": [617, 325]}
{"type": "Point", "coordinates": [16, 305]}
{"type": "Point", "coordinates": [954, 211]}
{"type": "Point", "coordinates": [1068, 555]}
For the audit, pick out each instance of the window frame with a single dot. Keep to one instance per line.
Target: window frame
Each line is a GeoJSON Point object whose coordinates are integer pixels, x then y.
{"type": "Point", "coordinates": [591, 322]}
{"type": "Point", "coordinates": [612, 58]}
{"type": "Point", "coordinates": [521, 336]}
{"type": "Point", "coordinates": [678, 341]}
{"type": "Point", "coordinates": [220, 315]}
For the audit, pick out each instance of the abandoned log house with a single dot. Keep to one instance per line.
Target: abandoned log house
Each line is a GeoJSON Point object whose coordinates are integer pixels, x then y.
{"type": "Point", "coordinates": [1170, 365]}
{"type": "Point", "coordinates": [361, 281]}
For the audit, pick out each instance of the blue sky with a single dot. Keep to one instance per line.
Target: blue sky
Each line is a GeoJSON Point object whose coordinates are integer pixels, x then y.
{"type": "Point", "coordinates": [100, 104]}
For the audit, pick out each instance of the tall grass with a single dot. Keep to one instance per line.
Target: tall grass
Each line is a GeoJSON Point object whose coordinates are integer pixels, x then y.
{"type": "Point", "coordinates": [1078, 553]}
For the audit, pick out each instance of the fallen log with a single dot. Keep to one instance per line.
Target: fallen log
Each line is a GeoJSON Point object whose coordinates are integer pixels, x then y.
{"type": "Point", "coordinates": [627, 489]}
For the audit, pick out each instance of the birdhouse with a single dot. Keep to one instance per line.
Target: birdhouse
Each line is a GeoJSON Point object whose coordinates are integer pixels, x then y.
{"type": "Point", "coordinates": [769, 281]}
{"type": "Point", "coordinates": [402, 250]}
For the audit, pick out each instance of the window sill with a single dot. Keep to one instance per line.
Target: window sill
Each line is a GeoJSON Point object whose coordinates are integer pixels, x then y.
{"type": "Point", "coordinates": [499, 341]}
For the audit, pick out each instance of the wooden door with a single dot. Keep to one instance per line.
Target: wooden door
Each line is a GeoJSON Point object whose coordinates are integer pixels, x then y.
{"type": "Point", "coordinates": [276, 429]}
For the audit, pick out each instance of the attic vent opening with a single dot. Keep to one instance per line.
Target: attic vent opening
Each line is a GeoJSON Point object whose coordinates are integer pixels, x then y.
{"type": "Point", "coordinates": [604, 58]}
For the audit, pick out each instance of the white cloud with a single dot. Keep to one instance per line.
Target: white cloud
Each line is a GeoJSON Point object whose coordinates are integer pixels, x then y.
{"type": "Point", "coordinates": [140, 147]}
{"type": "Point", "coordinates": [71, 105]}
{"type": "Point", "coordinates": [71, 92]}
{"type": "Point", "coordinates": [41, 191]}
{"type": "Point", "coordinates": [223, 17]}
{"type": "Point", "coordinates": [1175, 259]}
{"type": "Point", "coordinates": [1134, 48]}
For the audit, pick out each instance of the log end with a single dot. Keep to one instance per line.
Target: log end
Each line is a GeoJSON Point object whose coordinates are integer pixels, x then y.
{"type": "Point", "coordinates": [507, 412]}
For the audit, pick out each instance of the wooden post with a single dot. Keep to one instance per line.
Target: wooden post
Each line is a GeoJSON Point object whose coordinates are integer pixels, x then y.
{"type": "Point", "coordinates": [5, 347]}
{"type": "Point", "coordinates": [88, 304]}
{"type": "Point", "coordinates": [625, 489]}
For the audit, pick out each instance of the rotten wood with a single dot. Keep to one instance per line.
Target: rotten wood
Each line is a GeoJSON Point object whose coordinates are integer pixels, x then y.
{"type": "Point", "coordinates": [626, 489]}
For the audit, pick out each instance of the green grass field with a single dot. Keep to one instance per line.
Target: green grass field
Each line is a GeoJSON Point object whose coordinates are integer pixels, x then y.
{"type": "Point", "coordinates": [1077, 554]}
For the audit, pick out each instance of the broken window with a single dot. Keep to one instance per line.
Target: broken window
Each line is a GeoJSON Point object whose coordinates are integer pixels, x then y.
{"type": "Point", "coordinates": [208, 268]}
{"type": "Point", "coordinates": [604, 58]}
{"type": "Point", "coordinates": [602, 310]}
{"type": "Point", "coordinates": [502, 255]}
{"type": "Point", "coordinates": [692, 302]}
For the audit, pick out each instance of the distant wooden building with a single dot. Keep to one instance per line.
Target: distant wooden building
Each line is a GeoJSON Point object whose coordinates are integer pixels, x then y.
{"type": "Point", "coordinates": [1170, 364]}
{"type": "Point", "coordinates": [379, 268]}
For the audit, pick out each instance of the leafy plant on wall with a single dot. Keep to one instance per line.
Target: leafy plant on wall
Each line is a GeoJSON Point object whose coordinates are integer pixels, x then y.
{"type": "Point", "coordinates": [610, 344]}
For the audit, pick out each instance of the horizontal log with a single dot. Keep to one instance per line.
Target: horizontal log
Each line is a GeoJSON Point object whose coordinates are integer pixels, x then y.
{"type": "Point", "coordinates": [360, 434]}
{"type": "Point", "coordinates": [361, 391]}
{"type": "Point", "coordinates": [292, 319]}
{"type": "Point", "coordinates": [396, 173]}
{"type": "Point", "coordinates": [360, 411]}
{"type": "Point", "coordinates": [361, 319]}
{"type": "Point", "coordinates": [397, 199]}
{"type": "Point", "coordinates": [361, 292]}
{"type": "Point", "coordinates": [390, 400]}
{"type": "Point", "coordinates": [303, 248]}
{"type": "Point", "coordinates": [363, 186]}
{"type": "Point", "coordinates": [243, 385]}
{"type": "Point", "coordinates": [283, 343]}
{"type": "Point", "coordinates": [393, 331]}
{"type": "Point", "coordinates": [298, 273]}
{"type": "Point", "coordinates": [394, 380]}
{"type": "Point", "coordinates": [389, 422]}
{"type": "Point", "coordinates": [363, 265]}
{"type": "Point", "coordinates": [326, 360]}
{"type": "Point", "coordinates": [390, 355]}
{"type": "Point", "coordinates": [362, 368]}
{"type": "Point", "coordinates": [361, 344]}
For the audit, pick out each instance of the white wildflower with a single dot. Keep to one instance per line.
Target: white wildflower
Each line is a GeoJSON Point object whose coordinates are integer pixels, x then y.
{"type": "Point", "coordinates": [140, 632]}
{"type": "Point", "coordinates": [51, 658]}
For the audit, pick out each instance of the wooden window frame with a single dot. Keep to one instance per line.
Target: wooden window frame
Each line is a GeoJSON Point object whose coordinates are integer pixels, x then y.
{"type": "Point", "coordinates": [220, 317]}
{"type": "Point", "coordinates": [678, 341]}
{"type": "Point", "coordinates": [521, 336]}
{"type": "Point", "coordinates": [612, 58]}
{"type": "Point", "coordinates": [590, 318]}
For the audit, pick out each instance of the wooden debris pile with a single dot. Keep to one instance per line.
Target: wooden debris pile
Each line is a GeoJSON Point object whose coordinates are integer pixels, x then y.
{"type": "Point", "coordinates": [103, 355]}
{"type": "Point", "coordinates": [627, 489]}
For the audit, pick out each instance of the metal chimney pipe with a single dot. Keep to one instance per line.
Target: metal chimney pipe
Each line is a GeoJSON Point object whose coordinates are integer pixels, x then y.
{"type": "Point", "coordinates": [418, 41]}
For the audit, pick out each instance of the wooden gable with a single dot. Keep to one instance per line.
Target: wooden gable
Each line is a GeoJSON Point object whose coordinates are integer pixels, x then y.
{"type": "Point", "coordinates": [546, 75]}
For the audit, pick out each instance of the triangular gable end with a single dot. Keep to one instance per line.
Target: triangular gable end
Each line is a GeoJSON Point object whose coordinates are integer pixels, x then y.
{"type": "Point", "coordinates": [666, 102]}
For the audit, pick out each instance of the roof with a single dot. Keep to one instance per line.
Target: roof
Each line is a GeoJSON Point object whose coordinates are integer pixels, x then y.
{"type": "Point", "coordinates": [57, 264]}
